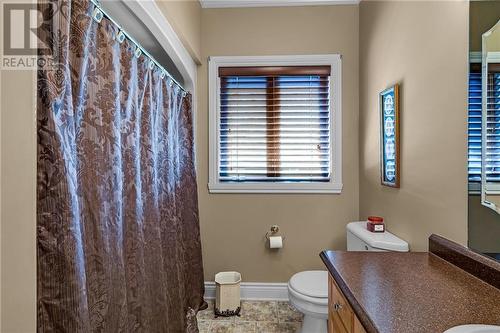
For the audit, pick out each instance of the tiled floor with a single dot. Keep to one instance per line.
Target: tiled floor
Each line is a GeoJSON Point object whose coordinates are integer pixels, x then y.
{"type": "Point", "coordinates": [256, 317]}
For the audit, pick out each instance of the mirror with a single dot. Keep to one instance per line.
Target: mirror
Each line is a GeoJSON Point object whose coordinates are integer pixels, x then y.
{"type": "Point", "coordinates": [483, 223]}
{"type": "Point", "coordinates": [490, 118]}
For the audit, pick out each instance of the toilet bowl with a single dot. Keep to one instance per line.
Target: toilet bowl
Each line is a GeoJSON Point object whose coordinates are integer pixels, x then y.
{"type": "Point", "coordinates": [308, 293]}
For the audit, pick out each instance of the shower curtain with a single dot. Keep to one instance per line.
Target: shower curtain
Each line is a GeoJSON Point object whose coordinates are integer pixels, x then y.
{"type": "Point", "coordinates": [118, 241]}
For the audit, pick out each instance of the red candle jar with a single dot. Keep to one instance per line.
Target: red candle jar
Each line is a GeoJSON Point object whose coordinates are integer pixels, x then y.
{"type": "Point", "coordinates": [375, 224]}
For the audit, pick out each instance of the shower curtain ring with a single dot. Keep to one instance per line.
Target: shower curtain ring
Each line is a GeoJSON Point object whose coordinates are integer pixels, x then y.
{"type": "Point", "coordinates": [97, 15]}
{"type": "Point", "coordinates": [120, 37]}
{"type": "Point", "coordinates": [138, 52]}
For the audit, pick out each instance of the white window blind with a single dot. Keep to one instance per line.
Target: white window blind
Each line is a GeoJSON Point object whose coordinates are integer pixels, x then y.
{"type": "Point", "coordinates": [274, 124]}
{"type": "Point", "coordinates": [492, 162]}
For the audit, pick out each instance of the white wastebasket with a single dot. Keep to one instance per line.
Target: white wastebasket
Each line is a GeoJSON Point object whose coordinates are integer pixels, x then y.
{"type": "Point", "coordinates": [227, 294]}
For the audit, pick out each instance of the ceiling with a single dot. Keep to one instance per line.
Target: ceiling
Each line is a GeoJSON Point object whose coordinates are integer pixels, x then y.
{"type": "Point", "coordinates": [272, 3]}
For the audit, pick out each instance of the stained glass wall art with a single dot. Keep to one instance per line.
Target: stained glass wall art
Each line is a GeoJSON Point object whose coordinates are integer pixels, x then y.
{"type": "Point", "coordinates": [389, 137]}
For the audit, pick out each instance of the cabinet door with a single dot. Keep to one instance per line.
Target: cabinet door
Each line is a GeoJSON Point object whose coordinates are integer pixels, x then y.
{"type": "Point", "coordinates": [335, 324]}
{"type": "Point", "coordinates": [341, 317]}
{"type": "Point", "coordinates": [340, 306]}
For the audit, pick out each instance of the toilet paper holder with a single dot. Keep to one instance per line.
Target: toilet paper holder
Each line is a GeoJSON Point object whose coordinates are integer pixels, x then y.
{"type": "Point", "coordinates": [273, 231]}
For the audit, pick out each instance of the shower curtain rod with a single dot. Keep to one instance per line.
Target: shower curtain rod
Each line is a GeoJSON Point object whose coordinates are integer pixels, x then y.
{"type": "Point", "coordinates": [97, 15]}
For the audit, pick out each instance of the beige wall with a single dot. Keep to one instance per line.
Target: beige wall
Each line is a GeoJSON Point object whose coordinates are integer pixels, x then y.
{"type": "Point", "coordinates": [233, 225]}
{"type": "Point", "coordinates": [423, 46]}
{"type": "Point", "coordinates": [17, 216]}
{"type": "Point", "coordinates": [185, 18]}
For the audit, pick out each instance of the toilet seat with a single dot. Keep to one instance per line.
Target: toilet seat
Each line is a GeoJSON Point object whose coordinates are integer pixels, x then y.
{"type": "Point", "coordinates": [311, 283]}
{"type": "Point", "coordinates": [322, 301]}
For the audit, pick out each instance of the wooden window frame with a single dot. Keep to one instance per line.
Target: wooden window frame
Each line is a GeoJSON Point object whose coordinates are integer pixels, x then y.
{"type": "Point", "coordinates": [282, 63]}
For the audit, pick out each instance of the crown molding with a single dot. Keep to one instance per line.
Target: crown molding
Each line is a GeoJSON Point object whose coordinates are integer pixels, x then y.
{"type": "Point", "coordinates": [272, 3]}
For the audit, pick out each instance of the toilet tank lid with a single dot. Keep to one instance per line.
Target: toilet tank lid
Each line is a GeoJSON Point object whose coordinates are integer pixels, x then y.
{"type": "Point", "coordinates": [380, 240]}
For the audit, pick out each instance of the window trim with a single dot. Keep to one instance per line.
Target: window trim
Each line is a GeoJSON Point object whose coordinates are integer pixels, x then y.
{"type": "Point", "coordinates": [335, 184]}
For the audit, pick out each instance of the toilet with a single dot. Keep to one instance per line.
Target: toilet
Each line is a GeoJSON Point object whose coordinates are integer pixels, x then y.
{"type": "Point", "coordinates": [308, 293]}
{"type": "Point", "coordinates": [308, 290]}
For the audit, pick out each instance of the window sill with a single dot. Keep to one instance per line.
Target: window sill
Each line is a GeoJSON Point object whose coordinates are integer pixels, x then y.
{"type": "Point", "coordinates": [327, 188]}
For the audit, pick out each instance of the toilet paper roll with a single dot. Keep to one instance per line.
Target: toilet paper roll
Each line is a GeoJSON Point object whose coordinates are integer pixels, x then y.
{"type": "Point", "coordinates": [275, 242]}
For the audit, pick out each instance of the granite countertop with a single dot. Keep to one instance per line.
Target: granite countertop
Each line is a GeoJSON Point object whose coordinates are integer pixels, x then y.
{"type": "Point", "coordinates": [411, 292]}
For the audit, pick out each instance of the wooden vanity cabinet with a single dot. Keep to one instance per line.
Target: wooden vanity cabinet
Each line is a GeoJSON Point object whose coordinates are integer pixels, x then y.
{"type": "Point", "coordinates": [341, 317]}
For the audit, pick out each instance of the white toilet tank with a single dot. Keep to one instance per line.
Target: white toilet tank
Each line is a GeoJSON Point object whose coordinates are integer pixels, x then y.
{"type": "Point", "coordinates": [360, 239]}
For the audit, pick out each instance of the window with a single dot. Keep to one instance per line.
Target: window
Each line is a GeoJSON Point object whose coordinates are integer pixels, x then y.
{"type": "Point", "coordinates": [474, 126]}
{"type": "Point", "coordinates": [275, 124]}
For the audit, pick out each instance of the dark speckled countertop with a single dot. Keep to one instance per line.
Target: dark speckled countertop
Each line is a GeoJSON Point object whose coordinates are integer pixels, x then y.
{"type": "Point", "coordinates": [411, 292]}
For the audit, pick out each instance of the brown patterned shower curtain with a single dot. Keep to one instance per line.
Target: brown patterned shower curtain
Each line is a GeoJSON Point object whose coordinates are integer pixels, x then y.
{"type": "Point", "coordinates": [117, 213]}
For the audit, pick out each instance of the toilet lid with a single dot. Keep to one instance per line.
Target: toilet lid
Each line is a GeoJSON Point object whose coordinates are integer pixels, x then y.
{"type": "Point", "coordinates": [311, 283]}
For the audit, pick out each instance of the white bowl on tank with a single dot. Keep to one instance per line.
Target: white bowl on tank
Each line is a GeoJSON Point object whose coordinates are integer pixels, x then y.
{"type": "Point", "coordinates": [361, 239]}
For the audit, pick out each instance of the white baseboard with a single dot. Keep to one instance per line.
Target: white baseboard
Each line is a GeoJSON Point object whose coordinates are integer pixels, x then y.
{"type": "Point", "coordinates": [255, 291]}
